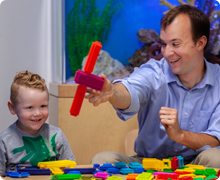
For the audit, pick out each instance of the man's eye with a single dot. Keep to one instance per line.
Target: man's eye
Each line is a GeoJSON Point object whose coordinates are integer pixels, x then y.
{"type": "Point", "coordinates": [175, 44]}
{"type": "Point", "coordinates": [163, 44]}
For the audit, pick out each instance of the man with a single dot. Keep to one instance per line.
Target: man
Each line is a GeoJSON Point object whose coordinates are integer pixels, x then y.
{"type": "Point", "coordinates": [183, 88]}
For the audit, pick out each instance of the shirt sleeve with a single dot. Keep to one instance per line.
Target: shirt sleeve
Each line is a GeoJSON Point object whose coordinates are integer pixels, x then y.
{"type": "Point", "coordinates": [2, 158]}
{"type": "Point", "coordinates": [213, 128]}
{"type": "Point", "coordinates": [144, 82]}
{"type": "Point", "coordinates": [64, 149]}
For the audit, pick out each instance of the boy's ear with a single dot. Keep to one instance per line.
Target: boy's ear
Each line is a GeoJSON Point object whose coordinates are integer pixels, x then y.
{"type": "Point", "coordinates": [11, 108]}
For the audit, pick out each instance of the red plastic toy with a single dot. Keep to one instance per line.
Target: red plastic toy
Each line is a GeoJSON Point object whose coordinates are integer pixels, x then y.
{"type": "Point", "coordinates": [84, 79]}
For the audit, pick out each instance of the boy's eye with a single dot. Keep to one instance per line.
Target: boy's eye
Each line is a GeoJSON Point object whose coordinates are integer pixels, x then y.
{"type": "Point", "coordinates": [30, 107]}
{"type": "Point", "coordinates": [43, 106]}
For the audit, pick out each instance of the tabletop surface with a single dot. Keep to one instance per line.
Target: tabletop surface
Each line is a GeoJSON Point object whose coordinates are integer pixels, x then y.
{"type": "Point", "coordinates": [48, 177]}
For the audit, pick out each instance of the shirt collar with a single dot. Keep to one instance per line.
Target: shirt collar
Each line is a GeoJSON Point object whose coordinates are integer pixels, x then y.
{"type": "Point", "coordinates": [208, 78]}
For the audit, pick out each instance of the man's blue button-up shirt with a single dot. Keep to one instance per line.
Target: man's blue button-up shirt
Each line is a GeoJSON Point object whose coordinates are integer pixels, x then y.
{"type": "Point", "coordinates": [152, 86]}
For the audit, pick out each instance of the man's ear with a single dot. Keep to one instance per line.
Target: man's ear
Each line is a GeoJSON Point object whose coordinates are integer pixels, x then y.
{"type": "Point", "coordinates": [11, 108]}
{"type": "Point", "coordinates": [201, 43]}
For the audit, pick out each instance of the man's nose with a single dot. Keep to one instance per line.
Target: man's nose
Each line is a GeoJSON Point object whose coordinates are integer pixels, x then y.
{"type": "Point", "coordinates": [167, 51]}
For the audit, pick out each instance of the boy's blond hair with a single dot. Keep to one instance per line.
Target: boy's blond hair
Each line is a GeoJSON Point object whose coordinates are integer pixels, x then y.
{"type": "Point", "coordinates": [26, 79]}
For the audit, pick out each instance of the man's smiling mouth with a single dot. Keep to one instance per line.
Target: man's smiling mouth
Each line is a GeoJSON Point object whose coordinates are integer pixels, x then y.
{"type": "Point", "coordinates": [174, 60]}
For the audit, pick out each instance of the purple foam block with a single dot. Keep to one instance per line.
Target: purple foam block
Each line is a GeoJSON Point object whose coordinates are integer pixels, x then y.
{"type": "Point", "coordinates": [89, 80]}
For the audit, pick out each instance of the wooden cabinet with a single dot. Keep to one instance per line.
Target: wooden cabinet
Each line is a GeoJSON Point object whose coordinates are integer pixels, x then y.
{"type": "Point", "coordinates": [96, 129]}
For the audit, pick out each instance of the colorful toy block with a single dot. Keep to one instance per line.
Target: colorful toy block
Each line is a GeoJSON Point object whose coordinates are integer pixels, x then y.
{"type": "Point", "coordinates": [89, 80]}
{"type": "Point", "coordinates": [188, 175]}
{"type": "Point", "coordinates": [81, 170]}
{"type": "Point", "coordinates": [139, 170]}
{"type": "Point", "coordinates": [59, 163]}
{"type": "Point", "coordinates": [131, 176]}
{"type": "Point", "coordinates": [105, 166]}
{"type": "Point", "coordinates": [167, 163]}
{"type": "Point", "coordinates": [186, 178]}
{"type": "Point", "coordinates": [114, 178]}
{"type": "Point", "coordinates": [134, 165]}
{"type": "Point", "coordinates": [56, 170]}
{"type": "Point", "coordinates": [210, 171]}
{"type": "Point", "coordinates": [120, 164]}
{"type": "Point", "coordinates": [194, 166]}
{"type": "Point", "coordinates": [103, 175]}
{"type": "Point", "coordinates": [211, 177]}
{"type": "Point", "coordinates": [17, 174]}
{"type": "Point", "coordinates": [153, 164]}
{"type": "Point", "coordinates": [174, 163]}
{"type": "Point", "coordinates": [35, 171]}
{"type": "Point", "coordinates": [181, 161]}
{"type": "Point", "coordinates": [126, 171]}
{"type": "Point", "coordinates": [84, 79]}
{"type": "Point", "coordinates": [145, 176]}
{"type": "Point", "coordinates": [66, 176]}
{"type": "Point", "coordinates": [165, 176]}
{"type": "Point", "coordinates": [113, 170]}
{"type": "Point", "coordinates": [190, 170]}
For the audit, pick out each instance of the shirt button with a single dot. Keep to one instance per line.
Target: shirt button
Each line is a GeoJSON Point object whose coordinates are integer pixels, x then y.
{"type": "Point", "coordinates": [185, 113]}
{"type": "Point", "coordinates": [188, 93]}
{"type": "Point", "coordinates": [176, 150]}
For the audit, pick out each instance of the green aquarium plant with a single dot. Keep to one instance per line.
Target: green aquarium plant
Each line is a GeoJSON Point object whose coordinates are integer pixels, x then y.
{"type": "Point", "coordinates": [86, 24]}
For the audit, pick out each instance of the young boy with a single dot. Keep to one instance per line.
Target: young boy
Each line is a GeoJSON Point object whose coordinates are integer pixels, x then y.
{"type": "Point", "coordinates": [30, 140]}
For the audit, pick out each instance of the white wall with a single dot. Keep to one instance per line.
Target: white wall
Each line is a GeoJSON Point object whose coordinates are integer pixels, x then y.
{"type": "Point", "coordinates": [25, 44]}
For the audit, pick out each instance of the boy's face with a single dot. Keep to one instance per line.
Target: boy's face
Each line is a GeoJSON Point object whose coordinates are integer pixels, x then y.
{"type": "Point", "coordinates": [31, 109]}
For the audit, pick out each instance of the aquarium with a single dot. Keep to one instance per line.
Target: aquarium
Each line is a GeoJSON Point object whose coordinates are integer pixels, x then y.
{"type": "Point", "coordinates": [128, 31]}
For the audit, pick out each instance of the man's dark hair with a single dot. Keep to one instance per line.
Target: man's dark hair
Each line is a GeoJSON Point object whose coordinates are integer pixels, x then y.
{"type": "Point", "coordinates": [200, 24]}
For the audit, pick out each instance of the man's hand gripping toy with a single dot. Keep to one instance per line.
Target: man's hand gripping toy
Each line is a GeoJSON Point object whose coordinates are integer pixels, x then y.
{"type": "Point", "coordinates": [86, 79]}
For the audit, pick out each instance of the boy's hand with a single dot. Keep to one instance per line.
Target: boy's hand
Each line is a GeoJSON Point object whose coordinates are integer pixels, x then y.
{"type": "Point", "coordinates": [97, 97]}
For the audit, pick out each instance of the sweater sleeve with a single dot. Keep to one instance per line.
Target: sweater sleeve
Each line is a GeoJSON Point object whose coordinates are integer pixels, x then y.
{"type": "Point", "coordinates": [64, 149]}
{"type": "Point", "coordinates": [2, 158]}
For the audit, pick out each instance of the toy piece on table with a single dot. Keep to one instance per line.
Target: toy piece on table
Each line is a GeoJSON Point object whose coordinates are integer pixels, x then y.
{"type": "Point", "coordinates": [81, 170]}
{"type": "Point", "coordinates": [187, 175]}
{"type": "Point", "coordinates": [126, 171]}
{"type": "Point", "coordinates": [174, 163]}
{"type": "Point", "coordinates": [163, 175]}
{"type": "Point", "coordinates": [17, 174]}
{"type": "Point", "coordinates": [35, 171]}
{"type": "Point", "coordinates": [139, 170]}
{"type": "Point", "coordinates": [96, 165]}
{"type": "Point", "coordinates": [105, 166]}
{"type": "Point", "coordinates": [66, 176]}
{"type": "Point", "coordinates": [181, 161]}
{"type": "Point", "coordinates": [113, 170]}
{"type": "Point", "coordinates": [84, 79]}
{"type": "Point", "coordinates": [55, 166]}
{"type": "Point", "coordinates": [145, 176]}
{"type": "Point", "coordinates": [56, 170]}
{"type": "Point", "coordinates": [167, 163]}
{"type": "Point", "coordinates": [134, 165]}
{"type": "Point", "coordinates": [120, 165]}
{"type": "Point", "coordinates": [131, 176]}
{"type": "Point", "coordinates": [210, 171]}
{"type": "Point", "coordinates": [153, 164]}
{"type": "Point", "coordinates": [103, 175]}
{"type": "Point", "coordinates": [114, 178]}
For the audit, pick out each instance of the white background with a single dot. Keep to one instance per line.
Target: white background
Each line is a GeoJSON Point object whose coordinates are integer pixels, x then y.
{"type": "Point", "coordinates": [30, 39]}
